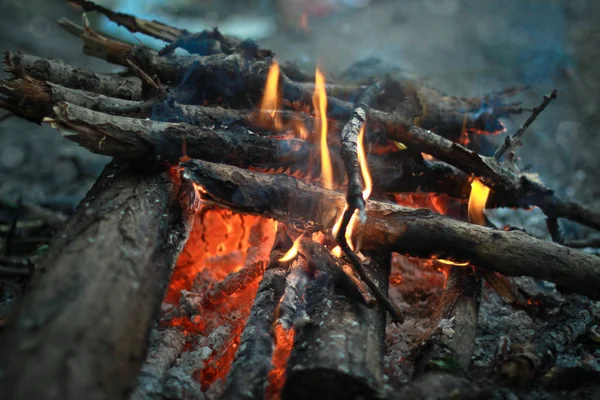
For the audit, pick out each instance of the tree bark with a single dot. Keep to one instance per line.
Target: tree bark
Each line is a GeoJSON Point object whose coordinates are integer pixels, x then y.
{"type": "Point", "coordinates": [61, 73]}
{"type": "Point", "coordinates": [82, 329]}
{"type": "Point", "coordinates": [338, 353]}
{"type": "Point", "coordinates": [415, 232]}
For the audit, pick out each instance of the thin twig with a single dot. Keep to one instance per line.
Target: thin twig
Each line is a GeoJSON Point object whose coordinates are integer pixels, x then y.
{"type": "Point", "coordinates": [511, 142]}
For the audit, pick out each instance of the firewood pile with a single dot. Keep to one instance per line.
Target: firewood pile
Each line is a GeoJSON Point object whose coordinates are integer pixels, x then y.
{"type": "Point", "coordinates": [286, 202]}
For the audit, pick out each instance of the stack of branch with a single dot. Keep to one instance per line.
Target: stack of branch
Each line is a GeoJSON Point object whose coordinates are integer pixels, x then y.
{"type": "Point", "coordinates": [165, 112]}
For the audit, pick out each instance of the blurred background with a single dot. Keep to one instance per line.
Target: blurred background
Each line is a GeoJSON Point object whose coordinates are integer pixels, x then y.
{"type": "Point", "coordinates": [461, 47]}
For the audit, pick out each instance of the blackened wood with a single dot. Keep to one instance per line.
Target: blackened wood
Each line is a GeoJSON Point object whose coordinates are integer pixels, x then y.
{"type": "Point", "coordinates": [449, 346]}
{"type": "Point", "coordinates": [338, 353]}
{"type": "Point", "coordinates": [247, 378]}
{"type": "Point", "coordinates": [419, 233]}
{"type": "Point", "coordinates": [81, 332]}
{"type": "Point", "coordinates": [61, 73]}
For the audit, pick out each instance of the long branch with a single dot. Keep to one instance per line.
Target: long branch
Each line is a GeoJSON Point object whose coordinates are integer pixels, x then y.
{"type": "Point", "coordinates": [418, 233]}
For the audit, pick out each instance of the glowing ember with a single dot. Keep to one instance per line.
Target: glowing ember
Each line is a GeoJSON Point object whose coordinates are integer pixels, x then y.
{"type": "Point", "coordinates": [320, 105]}
{"type": "Point", "coordinates": [284, 339]}
{"type": "Point", "coordinates": [477, 200]}
{"type": "Point", "coordinates": [292, 252]}
{"type": "Point", "coordinates": [427, 157]}
{"type": "Point", "coordinates": [271, 99]}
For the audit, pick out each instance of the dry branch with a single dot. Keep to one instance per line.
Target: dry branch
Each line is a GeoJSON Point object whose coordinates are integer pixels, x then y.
{"type": "Point", "coordinates": [61, 73]}
{"type": "Point", "coordinates": [338, 352]}
{"type": "Point", "coordinates": [418, 233]}
{"type": "Point", "coordinates": [82, 328]}
{"type": "Point", "coordinates": [510, 143]}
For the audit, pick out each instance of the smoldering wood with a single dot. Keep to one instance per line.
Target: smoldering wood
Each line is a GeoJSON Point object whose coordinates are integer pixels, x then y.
{"type": "Point", "coordinates": [247, 378]}
{"type": "Point", "coordinates": [159, 359]}
{"type": "Point", "coordinates": [535, 356]}
{"type": "Point", "coordinates": [418, 233]}
{"type": "Point", "coordinates": [295, 284]}
{"type": "Point", "coordinates": [82, 328]}
{"type": "Point", "coordinates": [61, 73]}
{"type": "Point", "coordinates": [449, 346]}
{"type": "Point", "coordinates": [338, 352]}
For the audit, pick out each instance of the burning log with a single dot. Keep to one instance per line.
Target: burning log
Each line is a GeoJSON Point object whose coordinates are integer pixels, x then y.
{"type": "Point", "coordinates": [247, 378]}
{"type": "Point", "coordinates": [338, 352]}
{"type": "Point", "coordinates": [61, 73]}
{"type": "Point", "coordinates": [532, 358]}
{"type": "Point", "coordinates": [81, 332]}
{"type": "Point", "coordinates": [419, 233]}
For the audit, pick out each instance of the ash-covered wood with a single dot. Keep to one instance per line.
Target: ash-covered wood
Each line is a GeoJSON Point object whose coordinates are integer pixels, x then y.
{"type": "Point", "coordinates": [160, 358]}
{"type": "Point", "coordinates": [338, 352]}
{"type": "Point", "coordinates": [419, 233]}
{"type": "Point", "coordinates": [449, 346]}
{"type": "Point", "coordinates": [61, 73]}
{"type": "Point", "coordinates": [533, 357]}
{"type": "Point", "coordinates": [247, 378]}
{"type": "Point", "coordinates": [83, 325]}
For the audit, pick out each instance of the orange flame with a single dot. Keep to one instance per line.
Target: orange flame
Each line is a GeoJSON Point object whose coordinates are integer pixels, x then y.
{"type": "Point", "coordinates": [271, 99]}
{"type": "Point", "coordinates": [477, 200]}
{"type": "Point", "coordinates": [364, 166]}
{"type": "Point", "coordinates": [320, 104]}
{"type": "Point", "coordinates": [292, 252]}
{"type": "Point", "coordinates": [284, 339]}
{"type": "Point", "coordinates": [451, 262]}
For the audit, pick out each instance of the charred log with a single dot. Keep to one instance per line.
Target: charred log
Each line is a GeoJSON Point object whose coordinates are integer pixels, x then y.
{"type": "Point", "coordinates": [87, 315]}
{"type": "Point", "coordinates": [338, 352]}
{"type": "Point", "coordinates": [419, 233]}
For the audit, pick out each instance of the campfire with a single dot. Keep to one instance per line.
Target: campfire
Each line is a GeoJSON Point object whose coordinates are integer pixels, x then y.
{"type": "Point", "coordinates": [266, 232]}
